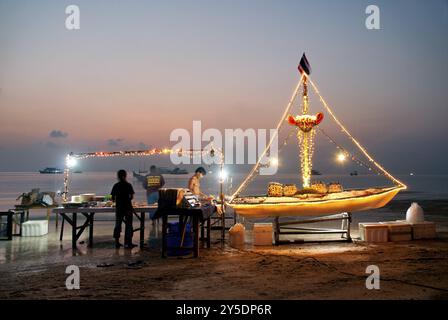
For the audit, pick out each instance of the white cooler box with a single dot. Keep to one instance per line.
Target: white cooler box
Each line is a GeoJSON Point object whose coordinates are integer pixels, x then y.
{"type": "Point", "coordinates": [373, 232]}
{"type": "Point", "coordinates": [423, 230]}
{"type": "Point", "coordinates": [34, 228]}
{"type": "Point", "coordinates": [262, 233]}
{"type": "Point", "coordinates": [399, 230]}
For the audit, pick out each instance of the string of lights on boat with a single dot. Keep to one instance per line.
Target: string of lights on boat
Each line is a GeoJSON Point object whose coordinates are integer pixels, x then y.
{"type": "Point", "coordinates": [281, 122]}
{"type": "Point", "coordinates": [255, 170]}
{"type": "Point", "coordinates": [72, 158]}
{"type": "Point", "coordinates": [346, 154]}
{"type": "Point", "coordinates": [363, 150]}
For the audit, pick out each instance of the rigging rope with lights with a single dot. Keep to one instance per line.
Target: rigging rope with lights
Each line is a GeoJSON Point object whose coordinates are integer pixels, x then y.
{"type": "Point", "coordinates": [306, 125]}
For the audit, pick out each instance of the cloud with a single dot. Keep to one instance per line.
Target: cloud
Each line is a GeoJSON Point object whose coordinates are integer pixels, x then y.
{"type": "Point", "coordinates": [114, 142]}
{"type": "Point", "coordinates": [58, 134]}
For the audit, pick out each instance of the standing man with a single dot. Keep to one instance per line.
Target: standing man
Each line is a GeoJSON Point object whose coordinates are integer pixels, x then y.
{"type": "Point", "coordinates": [152, 184]}
{"type": "Point", "coordinates": [122, 194]}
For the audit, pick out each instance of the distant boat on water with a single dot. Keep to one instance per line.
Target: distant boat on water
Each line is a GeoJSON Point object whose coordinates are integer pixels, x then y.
{"type": "Point", "coordinates": [315, 173]}
{"type": "Point", "coordinates": [49, 170]}
{"type": "Point", "coordinates": [163, 170]}
{"type": "Point", "coordinates": [178, 171]}
{"type": "Point", "coordinates": [354, 173]}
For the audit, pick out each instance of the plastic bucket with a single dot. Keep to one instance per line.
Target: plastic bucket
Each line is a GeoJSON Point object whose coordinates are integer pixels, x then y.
{"type": "Point", "coordinates": [174, 239]}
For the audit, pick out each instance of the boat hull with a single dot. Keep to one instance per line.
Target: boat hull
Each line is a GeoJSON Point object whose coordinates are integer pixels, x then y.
{"type": "Point", "coordinates": [316, 207]}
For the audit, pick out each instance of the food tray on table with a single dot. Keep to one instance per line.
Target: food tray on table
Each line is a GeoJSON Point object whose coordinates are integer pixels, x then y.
{"type": "Point", "coordinates": [69, 205]}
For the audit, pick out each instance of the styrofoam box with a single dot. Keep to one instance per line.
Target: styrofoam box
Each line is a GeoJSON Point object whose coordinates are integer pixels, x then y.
{"type": "Point", "coordinates": [373, 232]}
{"type": "Point", "coordinates": [399, 230]}
{"type": "Point", "coordinates": [262, 233]}
{"type": "Point", "coordinates": [34, 228]}
{"type": "Point", "coordinates": [423, 230]}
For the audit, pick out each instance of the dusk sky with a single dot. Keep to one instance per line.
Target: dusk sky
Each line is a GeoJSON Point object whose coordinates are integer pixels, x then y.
{"type": "Point", "coordinates": [136, 70]}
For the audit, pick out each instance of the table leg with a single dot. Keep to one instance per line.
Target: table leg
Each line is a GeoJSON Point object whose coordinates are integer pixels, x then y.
{"type": "Point", "coordinates": [48, 215]}
{"type": "Point", "coordinates": [202, 231]}
{"type": "Point", "coordinates": [22, 220]}
{"type": "Point", "coordinates": [164, 226]}
{"type": "Point", "coordinates": [183, 227]}
{"type": "Point", "coordinates": [62, 228]}
{"type": "Point", "coordinates": [277, 231]}
{"type": "Point", "coordinates": [349, 221]}
{"type": "Point", "coordinates": [196, 236]}
{"type": "Point", "coordinates": [14, 223]}
{"type": "Point", "coordinates": [18, 217]}
{"type": "Point", "coordinates": [91, 217]}
{"type": "Point", "coordinates": [9, 225]}
{"type": "Point", "coordinates": [142, 229]}
{"type": "Point", "coordinates": [57, 220]}
{"type": "Point", "coordinates": [223, 230]}
{"type": "Point", "coordinates": [74, 230]}
{"type": "Point", "coordinates": [209, 228]}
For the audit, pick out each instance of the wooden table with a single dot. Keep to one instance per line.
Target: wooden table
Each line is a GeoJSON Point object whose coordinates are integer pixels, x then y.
{"type": "Point", "coordinates": [198, 215]}
{"type": "Point", "coordinates": [71, 216]}
{"type": "Point", "coordinates": [27, 208]}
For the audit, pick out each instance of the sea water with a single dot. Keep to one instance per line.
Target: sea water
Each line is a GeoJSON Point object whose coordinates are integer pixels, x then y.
{"type": "Point", "coordinates": [13, 184]}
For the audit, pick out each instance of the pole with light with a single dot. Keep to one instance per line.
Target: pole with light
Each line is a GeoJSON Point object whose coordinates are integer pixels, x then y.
{"type": "Point", "coordinates": [222, 177]}
{"type": "Point", "coordinates": [70, 162]}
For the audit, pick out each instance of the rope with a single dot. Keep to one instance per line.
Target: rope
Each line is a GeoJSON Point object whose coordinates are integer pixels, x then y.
{"type": "Point", "coordinates": [360, 147]}
{"type": "Point", "coordinates": [285, 141]}
{"type": "Point", "coordinates": [280, 123]}
{"type": "Point", "coordinates": [254, 170]}
{"type": "Point", "coordinates": [360, 162]}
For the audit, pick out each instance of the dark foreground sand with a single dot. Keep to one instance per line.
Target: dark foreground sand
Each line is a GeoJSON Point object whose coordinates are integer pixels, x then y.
{"type": "Point", "coordinates": [34, 268]}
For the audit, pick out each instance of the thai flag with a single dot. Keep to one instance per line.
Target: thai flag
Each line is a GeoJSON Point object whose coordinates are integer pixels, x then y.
{"type": "Point", "coordinates": [304, 65]}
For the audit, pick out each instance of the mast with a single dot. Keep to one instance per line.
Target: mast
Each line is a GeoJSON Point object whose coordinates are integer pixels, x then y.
{"type": "Point", "coordinates": [306, 133]}
{"type": "Point", "coordinates": [305, 141]}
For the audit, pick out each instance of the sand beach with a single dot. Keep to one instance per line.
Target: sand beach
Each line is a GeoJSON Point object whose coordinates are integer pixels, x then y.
{"type": "Point", "coordinates": [34, 268]}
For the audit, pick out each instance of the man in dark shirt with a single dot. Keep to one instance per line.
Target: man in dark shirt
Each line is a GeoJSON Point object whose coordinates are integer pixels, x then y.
{"type": "Point", "coordinates": [153, 182]}
{"type": "Point", "coordinates": [122, 194]}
